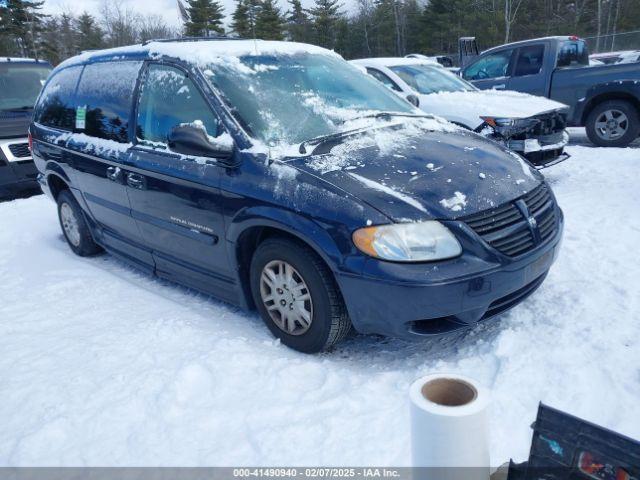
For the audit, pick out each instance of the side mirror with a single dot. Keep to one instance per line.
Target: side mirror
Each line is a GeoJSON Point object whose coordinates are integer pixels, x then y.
{"type": "Point", "coordinates": [192, 139]}
{"type": "Point", "coordinates": [413, 100]}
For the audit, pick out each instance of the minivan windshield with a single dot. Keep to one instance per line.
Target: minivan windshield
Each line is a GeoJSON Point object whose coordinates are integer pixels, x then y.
{"type": "Point", "coordinates": [425, 79]}
{"type": "Point", "coordinates": [20, 84]}
{"type": "Point", "coordinates": [287, 99]}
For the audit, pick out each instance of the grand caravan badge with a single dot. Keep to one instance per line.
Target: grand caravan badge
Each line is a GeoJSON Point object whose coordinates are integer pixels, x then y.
{"type": "Point", "coordinates": [192, 225]}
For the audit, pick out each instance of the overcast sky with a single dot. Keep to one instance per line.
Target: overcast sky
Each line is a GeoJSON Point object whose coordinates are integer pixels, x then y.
{"type": "Point", "coordinates": [167, 8]}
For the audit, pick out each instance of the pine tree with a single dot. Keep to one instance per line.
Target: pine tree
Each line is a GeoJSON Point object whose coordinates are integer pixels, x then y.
{"type": "Point", "coordinates": [242, 22]}
{"type": "Point", "coordinates": [205, 18]}
{"type": "Point", "coordinates": [50, 41]}
{"type": "Point", "coordinates": [89, 33]}
{"type": "Point", "coordinates": [325, 15]}
{"type": "Point", "coordinates": [269, 21]}
{"type": "Point", "coordinates": [20, 26]}
{"type": "Point", "coordinates": [298, 23]}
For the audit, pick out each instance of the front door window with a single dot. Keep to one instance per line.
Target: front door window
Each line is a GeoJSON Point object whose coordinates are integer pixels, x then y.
{"type": "Point", "coordinates": [495, 65]}
{"type": "Point", "coordinates": [168, 99]}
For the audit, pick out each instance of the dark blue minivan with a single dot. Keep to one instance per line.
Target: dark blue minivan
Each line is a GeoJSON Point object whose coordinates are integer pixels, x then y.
{"type": "Point", "coordinates": [277, 176]}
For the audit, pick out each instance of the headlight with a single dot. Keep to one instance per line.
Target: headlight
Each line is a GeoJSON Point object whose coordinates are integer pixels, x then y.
{"type": "Point", "coordinates": [510, 126]}
{"type": "Point", "coordinates": [408, 242]}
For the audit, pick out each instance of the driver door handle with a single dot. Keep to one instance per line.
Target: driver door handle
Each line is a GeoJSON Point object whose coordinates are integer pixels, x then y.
{"type": "Point", "coordinates": [136, 181]}
{"type": "Point", "coordinates": [502, 86]}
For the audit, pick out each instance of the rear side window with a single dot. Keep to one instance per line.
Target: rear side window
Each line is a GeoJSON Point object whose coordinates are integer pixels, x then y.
{"type": "Point", "coordinates": [529, 60]}
{"type": "Point", "coordinates": [106, 92]}
{"type": "Point", "coordinates": [56, 107]}
{"type": "Point", "coordinates": [169, 98]}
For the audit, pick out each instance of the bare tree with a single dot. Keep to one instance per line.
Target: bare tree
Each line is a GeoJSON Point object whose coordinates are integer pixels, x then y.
{"type": "Point", "coordinates": [365, 12]}
{"type": "Point", "coordinates": [511, 8]}
{"type": "Point", "coordinates": [154, 26]}
{"type": "Point", "coordinates": [599, 21]}
{"type": "Point", "coordinates": [615, 24]}
{"type": "Point", "coordinates": [121, 24]}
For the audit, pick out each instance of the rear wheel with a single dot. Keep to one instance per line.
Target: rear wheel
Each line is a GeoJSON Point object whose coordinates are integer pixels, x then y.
{"type": "Point", "coordinates": [74, 226]}
{"type": "Point", "coordinates": [613, 124]}
{"type": "Point", "coordinates": [297, 297]}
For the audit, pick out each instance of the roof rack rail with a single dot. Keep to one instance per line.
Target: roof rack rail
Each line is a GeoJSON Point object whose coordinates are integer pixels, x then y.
{"type": "Point", "coordinates": [191, 39]}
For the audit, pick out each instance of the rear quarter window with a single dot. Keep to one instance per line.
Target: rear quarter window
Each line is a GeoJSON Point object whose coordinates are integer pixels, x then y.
{"type": "Point", "coordinates": [106, 91]}
{"type": "Point", "coordinates": [56, 106]}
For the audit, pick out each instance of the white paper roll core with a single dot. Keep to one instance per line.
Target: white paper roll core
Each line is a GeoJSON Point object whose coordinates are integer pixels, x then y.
{"type": "Point", "coordinates": [449, 426]}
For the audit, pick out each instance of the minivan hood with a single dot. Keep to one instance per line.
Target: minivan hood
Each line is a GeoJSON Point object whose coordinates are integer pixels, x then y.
{"type": "Point", "coordinates": [467, 107]}
{"type": "Point", "coordinates": [437, 175]}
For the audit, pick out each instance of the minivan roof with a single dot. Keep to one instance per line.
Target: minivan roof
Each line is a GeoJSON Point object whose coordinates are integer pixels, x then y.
{"type": "Point", "coordinates": [198, 51]}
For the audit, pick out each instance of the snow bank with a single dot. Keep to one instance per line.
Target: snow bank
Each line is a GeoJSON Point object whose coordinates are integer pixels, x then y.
{"type": "Point", "coordinates": [103, 365]}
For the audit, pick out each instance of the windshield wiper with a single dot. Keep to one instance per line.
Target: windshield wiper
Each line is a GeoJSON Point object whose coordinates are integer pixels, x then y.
{"type": "Point", "coordinates": [391, 115]}
{"type": "Point", "coordinates": [338, 136]}
{"type": "Point", "coordinates": [355, 131]}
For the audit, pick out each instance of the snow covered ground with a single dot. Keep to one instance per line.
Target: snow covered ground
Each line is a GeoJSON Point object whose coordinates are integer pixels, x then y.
{"type": "Point", "coordinates": [102, 365]}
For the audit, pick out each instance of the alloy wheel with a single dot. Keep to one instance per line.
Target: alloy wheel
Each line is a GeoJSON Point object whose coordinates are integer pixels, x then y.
{"type": "Point", "coordinates": [286, 297]}
{"type": "Point", "coordinates": [611, 124]}
{"type": "Point", "coordinates": [70, 224]}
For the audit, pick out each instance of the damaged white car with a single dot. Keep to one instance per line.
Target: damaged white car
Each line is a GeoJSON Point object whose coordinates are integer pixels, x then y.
{"type": "Point", "coordinates": [535, 127]}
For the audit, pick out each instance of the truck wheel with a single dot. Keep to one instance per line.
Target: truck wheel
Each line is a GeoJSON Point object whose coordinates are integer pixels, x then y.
{"type": "Point", "coordinates": [297, 296]}
{"type": "Point", "coordinates": [74, 226]}
{"type": "Point", "coordinates": [613, 124]}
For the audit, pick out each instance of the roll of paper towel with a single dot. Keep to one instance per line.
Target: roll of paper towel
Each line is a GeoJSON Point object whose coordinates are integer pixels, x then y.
{"type": "Point", "coordinates": [449, 428]}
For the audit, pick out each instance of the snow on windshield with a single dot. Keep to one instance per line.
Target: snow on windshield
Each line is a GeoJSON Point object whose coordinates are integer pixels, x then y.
{"type": "Point", "coordinates": [287, 99]}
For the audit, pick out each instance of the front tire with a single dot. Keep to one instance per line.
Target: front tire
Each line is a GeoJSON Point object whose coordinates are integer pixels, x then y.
{"type": "Point", "coordinates": [297, 297]}
{"type": "Point", "coordinates": [74, 226]}
{"type": "Point", "coordinates": [615, 123]}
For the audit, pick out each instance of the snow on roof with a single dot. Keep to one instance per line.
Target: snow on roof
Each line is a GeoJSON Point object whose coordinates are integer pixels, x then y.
{"type": "Point", "coordinates": [202, 51]}
{"type": "Point", "coordinates": [393, 62]}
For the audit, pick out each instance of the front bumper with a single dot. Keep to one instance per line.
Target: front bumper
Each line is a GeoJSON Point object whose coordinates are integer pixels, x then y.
{"type": "Point", "coordinates": [541, 150]}
{"type": "Point", "coordinates": [17, 178]}
{"type": "Point", "coordinates": [542, 143]}
{"type": "Point", "coordinates": [413, 300]}
{"type": "Point", "coordinates": [17, 173]}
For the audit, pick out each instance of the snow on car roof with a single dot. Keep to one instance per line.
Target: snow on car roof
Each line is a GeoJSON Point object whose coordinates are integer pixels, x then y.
{"type": "Point", "coordinates": [199, 51]}
{"type": "Point", "coordinates": [393, 62]}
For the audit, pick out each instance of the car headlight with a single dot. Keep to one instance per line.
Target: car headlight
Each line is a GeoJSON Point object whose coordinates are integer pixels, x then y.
{"type": "Point", "coordinates": [408, 242]}
{"type": "Point", "coordinates": [510, 126]}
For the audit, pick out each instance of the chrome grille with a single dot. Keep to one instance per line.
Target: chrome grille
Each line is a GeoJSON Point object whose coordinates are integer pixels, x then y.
{"type": "Point", "coordinates": [509, 228]}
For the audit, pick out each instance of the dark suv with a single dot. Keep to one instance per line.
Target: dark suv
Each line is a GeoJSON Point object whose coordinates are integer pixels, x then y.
{"type": "Point", "coordinates": [21, 80]}
{"type": "Point", "coordinates": [275, 175]}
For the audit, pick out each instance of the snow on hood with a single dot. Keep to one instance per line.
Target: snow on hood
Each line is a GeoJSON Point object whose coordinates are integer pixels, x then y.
{"type": "Point", "coordinates": [441, 174]}
{"type": "Point", "coordinates": [492, 103]}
